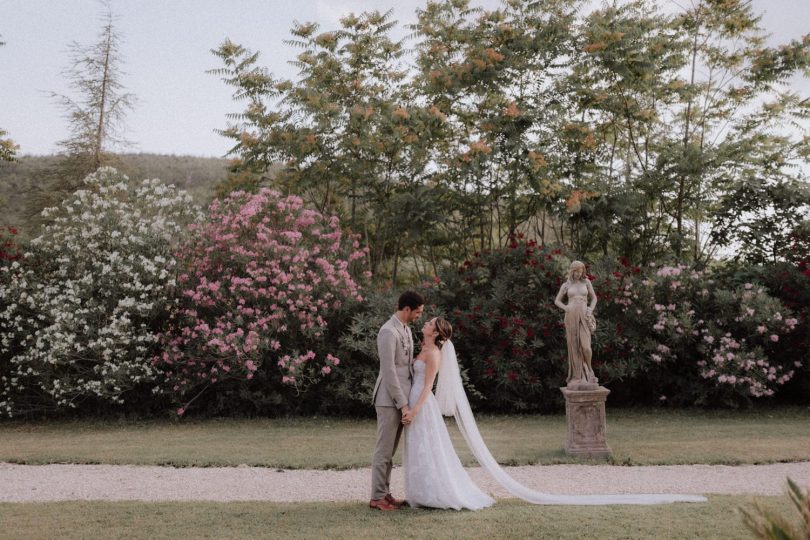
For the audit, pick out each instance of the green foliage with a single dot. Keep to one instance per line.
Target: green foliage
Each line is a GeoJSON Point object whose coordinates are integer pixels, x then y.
{"type": "Point", "coordinates": [626, 130]}
{"type": "Point", "coordinates": [770, 525]}
{"type": "Point", "coordinates": [350, 389]}
{"type": "Point", "coordinates": [197, 175]}
{"type": "Point", "coordinates": [765, 220]}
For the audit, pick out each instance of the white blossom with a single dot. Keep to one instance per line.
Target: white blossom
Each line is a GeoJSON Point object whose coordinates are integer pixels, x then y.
{"type": "Point", "coordinates": [77, 309]}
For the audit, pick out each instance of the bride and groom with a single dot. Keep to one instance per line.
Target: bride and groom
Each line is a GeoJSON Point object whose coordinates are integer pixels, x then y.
{"type": "Point", "coordinates": [404, 401]}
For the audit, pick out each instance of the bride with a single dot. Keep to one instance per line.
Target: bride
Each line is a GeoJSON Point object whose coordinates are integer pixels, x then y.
{"type": "Point", "coordinates": [434, 476]}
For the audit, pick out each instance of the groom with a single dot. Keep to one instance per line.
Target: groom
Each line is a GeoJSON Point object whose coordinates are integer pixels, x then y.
{"type": "Point", "coordinates": [395, 349]}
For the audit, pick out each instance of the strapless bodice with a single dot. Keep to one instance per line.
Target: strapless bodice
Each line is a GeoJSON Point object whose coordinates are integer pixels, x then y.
{"type": "Point", "coordinates": [418, 382]}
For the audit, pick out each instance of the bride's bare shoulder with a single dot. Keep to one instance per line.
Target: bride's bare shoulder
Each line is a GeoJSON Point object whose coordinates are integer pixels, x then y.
{"type": "Point", "coordinates": [434, 356]}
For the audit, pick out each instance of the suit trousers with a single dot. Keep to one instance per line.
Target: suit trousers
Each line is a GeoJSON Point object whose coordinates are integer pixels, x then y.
{"type": "Point", "coordinates": [389, 430]}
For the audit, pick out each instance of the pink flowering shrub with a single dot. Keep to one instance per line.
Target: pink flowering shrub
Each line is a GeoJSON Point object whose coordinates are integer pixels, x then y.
{"type": "Point", "coordinates": [790, 283]}
{"type": "Point", "coordinates": [261, 279]}
{"type": "Point", "coordinates": [736, 346]}
{"type": "Point", "coordinates": [690, 337]}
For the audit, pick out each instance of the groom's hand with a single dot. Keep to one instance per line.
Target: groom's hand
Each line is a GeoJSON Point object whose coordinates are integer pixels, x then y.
{"type": "Point", "coordinates": [406, 415]}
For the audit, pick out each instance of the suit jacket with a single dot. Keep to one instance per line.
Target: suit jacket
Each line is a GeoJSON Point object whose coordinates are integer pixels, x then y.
{"type": "Point", "coordinates": [395, 349]}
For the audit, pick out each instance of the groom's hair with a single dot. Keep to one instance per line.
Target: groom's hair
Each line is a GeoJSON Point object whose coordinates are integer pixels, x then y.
{"type": "Point", "coordinates": [410, 299]}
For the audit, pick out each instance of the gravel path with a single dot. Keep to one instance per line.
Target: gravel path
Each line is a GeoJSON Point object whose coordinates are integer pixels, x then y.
{"type": "Point", "coordinates": [24, 483]}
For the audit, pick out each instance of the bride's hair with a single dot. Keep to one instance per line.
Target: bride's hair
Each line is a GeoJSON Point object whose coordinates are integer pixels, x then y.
{"type": "Point", "coordinates": [444, 331]}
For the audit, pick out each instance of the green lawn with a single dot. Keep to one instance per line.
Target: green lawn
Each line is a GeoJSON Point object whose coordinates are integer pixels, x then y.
{"type": "Point", "coordinates": [508, 519]}
{"type": "Point", "coordinates": [636, 437]}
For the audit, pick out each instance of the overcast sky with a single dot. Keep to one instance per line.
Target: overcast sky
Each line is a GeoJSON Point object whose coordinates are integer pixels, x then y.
{"type": "Point", "coordinates": [166, 51]}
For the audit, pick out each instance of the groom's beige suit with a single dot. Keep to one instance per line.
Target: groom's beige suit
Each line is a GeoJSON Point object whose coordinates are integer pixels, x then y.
{"type": "Point", "coordinates": [395, 349]}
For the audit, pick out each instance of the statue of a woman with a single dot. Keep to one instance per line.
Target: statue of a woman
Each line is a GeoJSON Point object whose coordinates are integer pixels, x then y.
{"type": "Point", "coordinates": [579, 323]}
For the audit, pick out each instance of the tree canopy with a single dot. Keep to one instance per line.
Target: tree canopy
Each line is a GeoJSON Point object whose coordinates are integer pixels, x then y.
{"type": "Point", "coordinates": [627, 130]}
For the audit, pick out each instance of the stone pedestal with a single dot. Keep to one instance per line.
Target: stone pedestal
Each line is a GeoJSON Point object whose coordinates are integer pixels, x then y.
{"type": "Point", "coordinates": [585, 413]}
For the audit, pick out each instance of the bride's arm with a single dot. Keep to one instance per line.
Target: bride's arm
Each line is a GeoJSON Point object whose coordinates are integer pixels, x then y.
{"type": "Point", "coordinates": [431, 369]}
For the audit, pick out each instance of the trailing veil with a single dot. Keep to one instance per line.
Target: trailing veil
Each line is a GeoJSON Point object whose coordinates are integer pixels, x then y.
{"type": "Point", "coordinates": [453, 402]}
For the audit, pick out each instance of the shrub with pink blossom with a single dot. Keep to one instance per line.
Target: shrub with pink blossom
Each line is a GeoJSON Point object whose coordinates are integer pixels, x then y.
{"type": "Point", "coordinates": [260, 281]}
{"type": "Point", "coordinates": [737, 345]}
{"type": "Point", "coordinates": [790, 283]}
{"type": "Point", "coordinates": [698, 338]}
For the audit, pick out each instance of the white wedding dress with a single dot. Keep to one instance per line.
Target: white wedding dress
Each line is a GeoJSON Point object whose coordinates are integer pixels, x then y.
{"type": "Point", "coordinates": [434, 476]}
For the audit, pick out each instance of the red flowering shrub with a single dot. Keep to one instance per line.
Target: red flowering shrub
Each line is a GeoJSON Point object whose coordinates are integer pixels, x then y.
{"type": "Point", "coordinates": [508, 333]}
{"type": "Point", "coordinates": [261, 279]}
{"type": "Point", "coordinates": [9, 249]}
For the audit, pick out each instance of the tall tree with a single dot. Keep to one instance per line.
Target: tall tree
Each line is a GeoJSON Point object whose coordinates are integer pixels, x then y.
{"type": "Point", "coordinates": [351, 138]}
{"type": "Point", "coordinates": [95, 113]}
{"type": "Point", "coordinates": [693, 109]}
{"type": "Point", "coordinates": [492, 73]}
{"type": "Point", "coordinates": [626, 74]}
{"type": "Point", "coordinates": [7, 147]}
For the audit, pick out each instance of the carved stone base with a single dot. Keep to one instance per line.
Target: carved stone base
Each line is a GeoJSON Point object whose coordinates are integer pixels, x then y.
{"type": "Point", "coordinates": [587, 425]}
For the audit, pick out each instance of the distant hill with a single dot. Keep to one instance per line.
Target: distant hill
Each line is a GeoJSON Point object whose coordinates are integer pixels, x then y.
{"type": "Point", "coordinates": [197, 175]}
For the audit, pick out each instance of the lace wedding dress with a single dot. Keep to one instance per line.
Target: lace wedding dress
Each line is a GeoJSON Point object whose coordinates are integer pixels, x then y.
{"type": "Point", "coordinates": [434, 476]}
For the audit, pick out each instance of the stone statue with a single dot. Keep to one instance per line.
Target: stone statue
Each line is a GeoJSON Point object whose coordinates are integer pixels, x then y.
{"type": "Point", "coordinates": [579, 324]}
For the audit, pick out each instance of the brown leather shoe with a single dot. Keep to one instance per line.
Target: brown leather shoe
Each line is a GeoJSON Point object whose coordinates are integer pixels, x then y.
{"type": "Point", "coordinates": [381, 504]}
{"type": "Point", "coordinates": [398, 503]}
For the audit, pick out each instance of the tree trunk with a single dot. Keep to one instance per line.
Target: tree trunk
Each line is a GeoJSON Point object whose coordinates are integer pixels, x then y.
{"type": "Point", "coordinates": [102, 108]}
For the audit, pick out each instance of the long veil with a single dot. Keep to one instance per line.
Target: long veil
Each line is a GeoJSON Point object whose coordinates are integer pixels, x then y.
{"type": "Point", "coordinates": [453, 402]}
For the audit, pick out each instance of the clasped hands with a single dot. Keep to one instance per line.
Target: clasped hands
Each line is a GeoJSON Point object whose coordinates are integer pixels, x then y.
{"type": "Point", "coordinates": [407, 415]}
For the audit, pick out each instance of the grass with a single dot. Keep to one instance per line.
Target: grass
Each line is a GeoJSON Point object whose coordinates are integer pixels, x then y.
{"type": "Point", "coordinates": [508, 519]}
{"type": "Point", "coordinates": [637, 437]}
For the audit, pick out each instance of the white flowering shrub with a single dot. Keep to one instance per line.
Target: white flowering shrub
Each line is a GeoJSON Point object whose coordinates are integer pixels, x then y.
{"type": "Point", "coordinates": [82, 309]}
